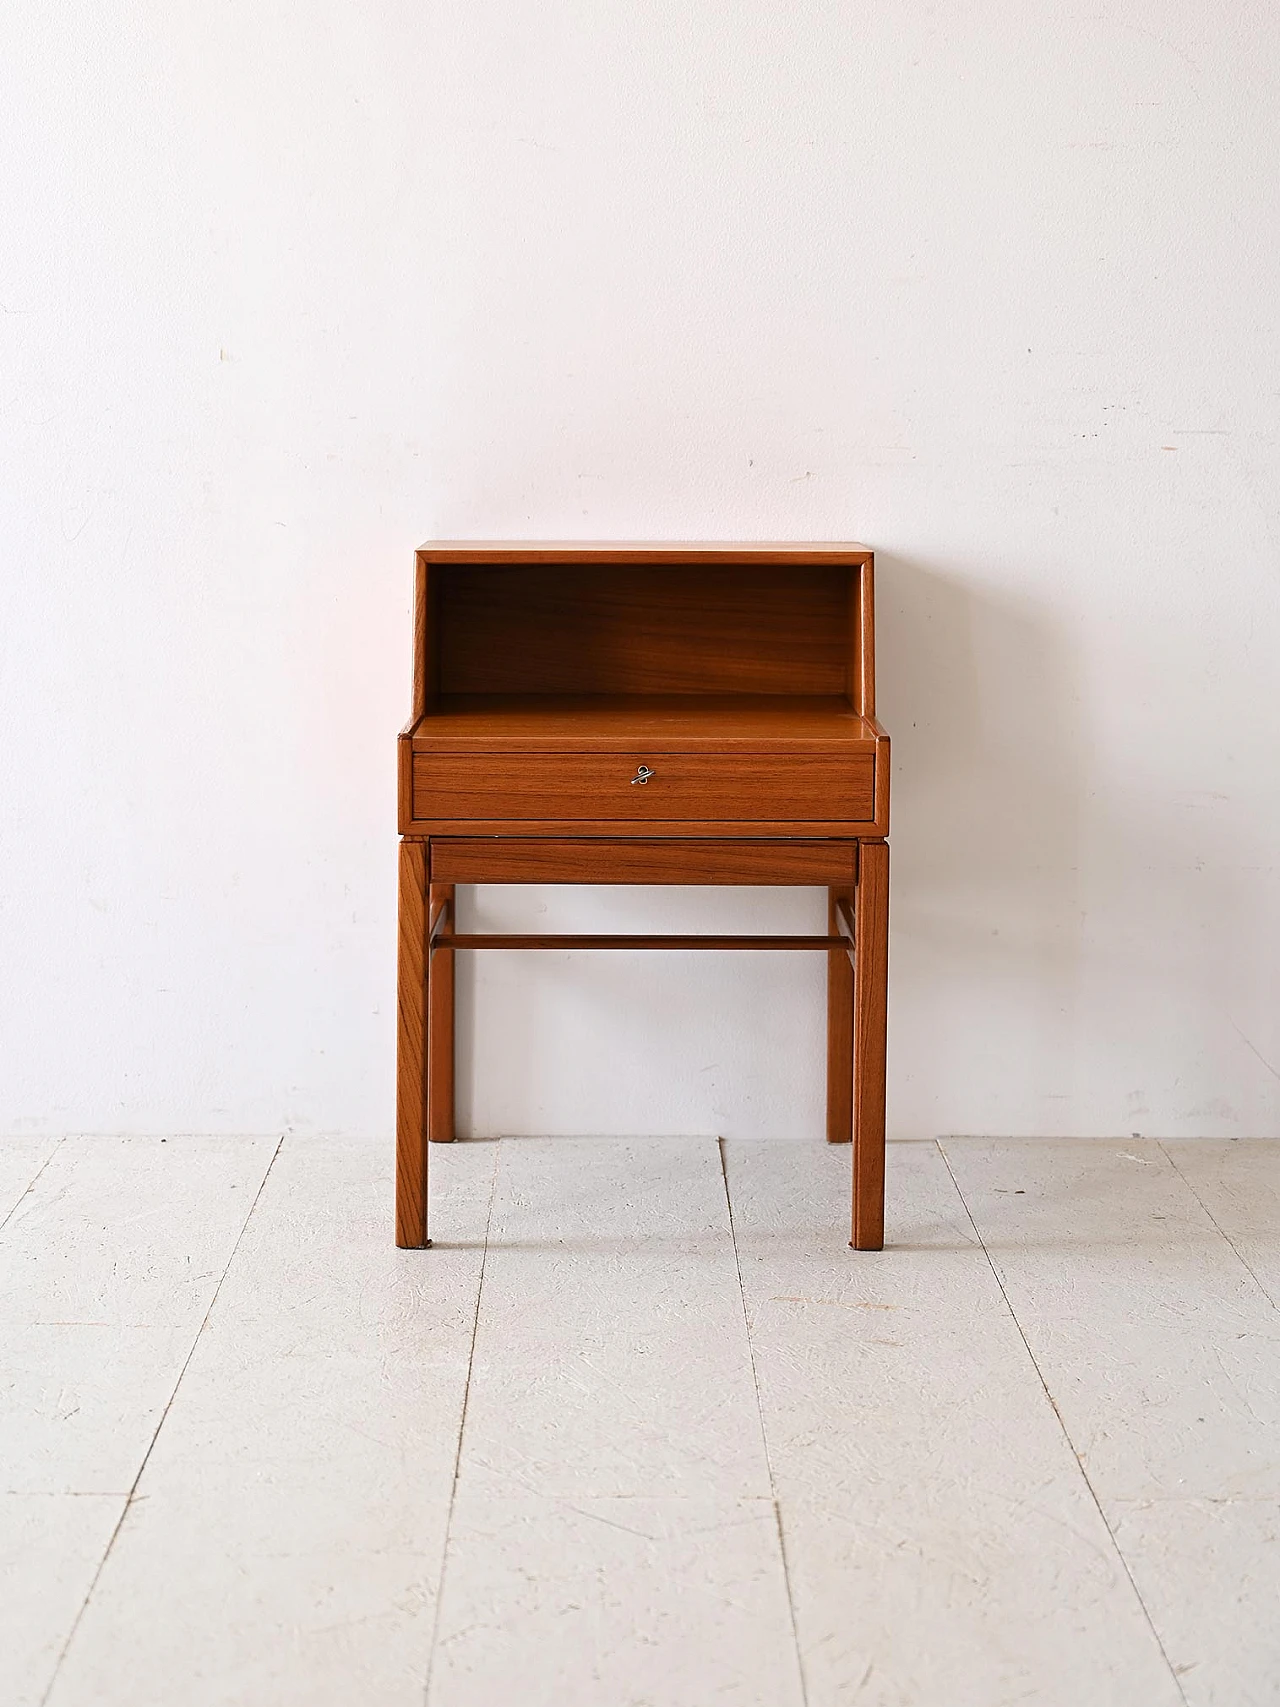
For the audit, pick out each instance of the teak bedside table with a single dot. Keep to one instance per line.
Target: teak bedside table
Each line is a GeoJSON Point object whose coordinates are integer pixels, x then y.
{"type": "Point", "coordinates": [644, 714]}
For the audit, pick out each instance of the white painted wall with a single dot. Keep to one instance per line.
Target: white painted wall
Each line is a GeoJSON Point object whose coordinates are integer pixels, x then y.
{"type": "Point", "coordinates": [286, 289]}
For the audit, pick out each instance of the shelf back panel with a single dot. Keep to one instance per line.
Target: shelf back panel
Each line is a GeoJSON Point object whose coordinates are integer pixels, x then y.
{"type": "Point", "coordinates": [683, 628]}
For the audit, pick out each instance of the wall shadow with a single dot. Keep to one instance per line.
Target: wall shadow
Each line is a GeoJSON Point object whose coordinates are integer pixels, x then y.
{"type": "Point", "coordinates": [990, 760]}
{"type": "Point", "coordinates": [1072, 941]}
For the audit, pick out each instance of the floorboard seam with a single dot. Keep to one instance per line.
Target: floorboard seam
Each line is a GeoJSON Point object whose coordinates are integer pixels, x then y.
{"type": "Point", "coordinates": [1244, 1261]}
{"type": "Point", "coordinates": [31, 1185]}
{"type": "Point", "coordinates": [764, 1433]}
{"type": "Point", "coordinates": [1084, 1474]}
{"type": "Point", "coordinates": [133, 1488]}
{"type": "Point", "coordinates": [462, 1424]}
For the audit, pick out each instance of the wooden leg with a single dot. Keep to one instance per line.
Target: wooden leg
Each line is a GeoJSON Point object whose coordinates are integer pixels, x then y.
{"type": "Point", "coordinates": [411, 1055]}
{"type": "Point", "coordinates": [440, 1125]}
{"type": "Point", "coordinates": [871, 983]}
{"type": "Point", "coordinates": [839, 1029]}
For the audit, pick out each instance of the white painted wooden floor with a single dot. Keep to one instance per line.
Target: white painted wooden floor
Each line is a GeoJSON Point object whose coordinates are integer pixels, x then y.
{"type": "Point", "coordinates": [624, 1440]}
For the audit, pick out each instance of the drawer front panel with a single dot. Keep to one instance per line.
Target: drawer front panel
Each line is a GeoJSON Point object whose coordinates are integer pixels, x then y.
{"type": "Point", "coordinates": [694, 786]}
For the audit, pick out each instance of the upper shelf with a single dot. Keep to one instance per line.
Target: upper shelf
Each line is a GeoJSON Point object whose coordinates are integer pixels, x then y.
{"type": "Point", "coordinates": [605, 722]}
{"type": "Point", "coordinates": [792, 620]}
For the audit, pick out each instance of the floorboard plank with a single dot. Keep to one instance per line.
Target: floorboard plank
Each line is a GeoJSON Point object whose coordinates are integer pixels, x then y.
{"type": "Point", "coordinates": [1210, 1573]}
{"type": "Point", "coordinates": [80, 1403]}
{"type": "Point", "coordinates": [1162, 1352]}
{"type": "Point", "coordinates": [611, 1356]}
{"type": "Point", "coordinates": [591, 1602]}
{"type": "Point", "coordinates": [1238, 1182]}
{"type": "Point", "coordinates": [1160, 1349]}
{"type": "Point", "coordinates": [286, 1541]}
{"type": "Point", "coordinates": [129, 1232]}
{"type": "Point", "coordinates": [613, 1538]}
{"type": "Point", "coordinates": [107, 1267]}
{"type": "Point", "coordinates": [942, 1547]}
{"type": "Point", "coordinates": [21, 1159]}
{"type": "Point", "coordinates": [50, 1548]}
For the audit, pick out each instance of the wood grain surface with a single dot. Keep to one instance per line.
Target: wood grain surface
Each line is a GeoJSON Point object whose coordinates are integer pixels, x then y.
{"type": "Point", "coordinates": [683, 628]}
{"type": "Point", "coordinates": [411, 1056]}
{"type": "Point", "coordinates": [562, 944]}
{"type": "Point", "coordinates": [780, 552]}
{"type": "Point", "coordinates": [863, 683]}
{"type": "Point", "coordinates": [870, 978]}
{"type": "Point", "coordinates": [526, 859]}
{"type": "Point", "coordinates": [839, 1024]}
{"type": "Point", "coordinates": [735, 786]}
{"type": "Point", "coordinates": [776, 723]}
{"type": "Point", "coordinates": [657, 829]}
{"type": "Point", "coordinates": [440, 1042]}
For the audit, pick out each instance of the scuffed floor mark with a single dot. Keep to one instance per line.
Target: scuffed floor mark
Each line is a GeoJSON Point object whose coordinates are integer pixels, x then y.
{"type": "Point", "coordinates": [836, 1303]}
{"type": "Point", "coordinates": [1257, 1052]}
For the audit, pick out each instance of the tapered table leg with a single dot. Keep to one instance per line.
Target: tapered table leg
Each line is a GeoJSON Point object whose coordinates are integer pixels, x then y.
{"type": "Point", "coordinates": [839, 1028]}
{"type": "Point", "coordinates": [440, 1117]}
{"type": "Point", "coordinates": [411, 1054]}
{"type": "Point", "coordinates": [871, 986]}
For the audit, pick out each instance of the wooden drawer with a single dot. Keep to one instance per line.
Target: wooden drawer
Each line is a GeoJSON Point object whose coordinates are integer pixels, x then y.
{"type": "Point", "coordinates": [690, 786]}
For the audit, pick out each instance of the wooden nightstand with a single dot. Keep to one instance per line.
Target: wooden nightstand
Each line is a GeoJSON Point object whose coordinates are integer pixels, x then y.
{"type": "Point", "coordinates": [644, 714]}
